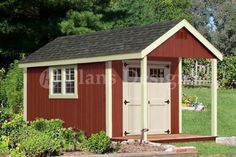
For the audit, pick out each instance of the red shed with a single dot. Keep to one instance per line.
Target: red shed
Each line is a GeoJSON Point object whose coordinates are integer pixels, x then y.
{"type": "Point", "coordinates": [119, 81]}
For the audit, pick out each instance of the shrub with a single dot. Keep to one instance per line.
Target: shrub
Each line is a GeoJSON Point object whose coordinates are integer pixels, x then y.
{"type": "Point", "coordinates": [69, 138]}
{"type": "Point", "coordinates": [226, 72]}
{"type": "Point", "coordinates": [4, 116]}
{"type": "Point", "coordinates": [11, 88]}
{"type": "Point", "coordinates": [4, 145]}
{"type": "Point", "coordinates": [13, 125]}
{"type": "Point", "coordinates": [47, 125]}
{"type": "Point", "coordinates": [98, 143]}
{"type": "Point", "coordinates": [38, 143]}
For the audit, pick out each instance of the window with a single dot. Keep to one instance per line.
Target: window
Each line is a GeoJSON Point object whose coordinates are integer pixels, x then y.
{"type": "Point", "coordinates": [63, 82]}
{"type": "Point", "coordinates": [157, 72]}
{"type": "Point", "coordinates": [133, 74]}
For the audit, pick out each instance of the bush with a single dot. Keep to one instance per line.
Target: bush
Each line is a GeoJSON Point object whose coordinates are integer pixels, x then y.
{"type": "Point", "coordinates": [38, 143]}
{"type": "Point", "coordinates": [12, 88]}
{"type": "Point", "coordinates": [4, 145]}
{"type": "Point", "coordinates": [47, 125]}
{"type": "Point", "coordinates": [98, 143]}
{"type": "Point", "coordinates": [5, 116]}
{"type": "Point", "coordinates": [227, 72]}
{"type": "Point", "coordinates": [12, 125]}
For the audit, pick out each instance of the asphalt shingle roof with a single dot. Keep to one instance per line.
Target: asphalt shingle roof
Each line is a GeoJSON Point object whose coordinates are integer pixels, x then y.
{"type": "Point", "coordinates": [116, 41]}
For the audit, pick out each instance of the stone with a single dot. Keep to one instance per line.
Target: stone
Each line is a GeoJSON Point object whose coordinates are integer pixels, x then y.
{"type": "Point", "coordinates": [199, 107]}
{"type": "Point", "coordinates": [188, 149]}
{"type": "Point", "coordinates": [226, 140]}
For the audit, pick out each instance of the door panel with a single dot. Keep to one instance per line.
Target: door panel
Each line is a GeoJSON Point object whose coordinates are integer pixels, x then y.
{"type": "Point", "coordinates": [158, 93]}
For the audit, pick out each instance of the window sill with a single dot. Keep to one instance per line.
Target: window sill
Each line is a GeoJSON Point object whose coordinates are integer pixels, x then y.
{"type": "Point", "coordinates": [60, 96]}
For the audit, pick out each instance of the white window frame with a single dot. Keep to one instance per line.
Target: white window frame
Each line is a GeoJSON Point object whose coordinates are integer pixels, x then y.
{"type": "Point", "coordinates": [63, 94]}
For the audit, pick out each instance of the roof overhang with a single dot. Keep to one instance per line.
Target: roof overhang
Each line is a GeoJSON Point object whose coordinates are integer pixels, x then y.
{"type": "Point", "coordinates": [137, 55]}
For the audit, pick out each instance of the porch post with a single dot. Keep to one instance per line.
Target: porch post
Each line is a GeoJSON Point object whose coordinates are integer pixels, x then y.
{"type": "Point", "coordinates": [109, 98]}
{"type": "Point", "coordinates": [180, 95]}
{"type": "Point", "coordinates": [214, 97]}
{"type": "Point", "coordinates": [144, 95]}
{"type": "Point", "coordinates": [25, 93]}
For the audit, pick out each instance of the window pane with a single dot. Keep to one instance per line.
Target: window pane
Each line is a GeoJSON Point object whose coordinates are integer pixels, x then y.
{"type": "Point", "coordinates": [70, 87]}
{"type": "Point", "coordinates": [70, 72]}
{"type": "Point", "coordinates": [57, 74]}
{"type": "Point", "coordinates": [57, 87]}
{"type": "Point", "coordinates": [161, 73]}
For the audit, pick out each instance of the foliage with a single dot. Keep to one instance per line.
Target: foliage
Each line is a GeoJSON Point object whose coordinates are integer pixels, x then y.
{"type": "Point", "coordinates": [12, 88]}
{"type": "Point", "coordinates": [27, 25]}
{"type": "Point", "coordinates": [38, 143]}
{"type": "Point", "coordinates": [47, 125]}
{"type": "Point", "coordinates": [189, 100]}
{"type": "Point", "coordinates": [81, 22]}
{"type": "Point", "coordinates": [39, 138]}
{"type": "Point", "coordinates": [98, 143]}
{"type": "Point", "coordinates": [4, 116]}
{"type": "Point", "coordinates": [4, 143]}
{"type": "Point", "coordinates": [215, 19]}
{"type": "Point", "coordinates": [227, 72]}
{"type": "Point", "coordinates": [12, 125]}
{"type": "Point", "coordinates": [139, 12]}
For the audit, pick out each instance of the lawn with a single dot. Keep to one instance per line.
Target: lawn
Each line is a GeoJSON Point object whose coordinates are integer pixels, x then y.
{"type": "Point", "coordinates": [200, 122]}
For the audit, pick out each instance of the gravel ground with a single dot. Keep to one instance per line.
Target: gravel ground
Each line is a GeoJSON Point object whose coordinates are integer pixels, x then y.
{"type": "Point", "coordinates": [135, 148]}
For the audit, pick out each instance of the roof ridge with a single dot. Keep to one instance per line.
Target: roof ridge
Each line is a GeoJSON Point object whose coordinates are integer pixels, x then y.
{"type": "Point", "coordinates": [119, 29]}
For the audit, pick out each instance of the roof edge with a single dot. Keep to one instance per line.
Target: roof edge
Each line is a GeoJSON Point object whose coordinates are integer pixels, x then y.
{"type": "Point", "coordinates": [135, 55]}
{"type": "Point", "coordinates": [182, 24]}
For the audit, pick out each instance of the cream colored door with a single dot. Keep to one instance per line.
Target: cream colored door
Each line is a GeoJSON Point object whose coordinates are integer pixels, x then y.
{"type": "Point", "coordinates": [131, 98]}
{"type": "Point", "coordinates": [159, 98]}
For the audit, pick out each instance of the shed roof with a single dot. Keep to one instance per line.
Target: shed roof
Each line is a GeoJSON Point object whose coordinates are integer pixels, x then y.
{"type": "Point", "coordinates": [117, 44]}
{"type": "Point", "coordinates": [116, 41]}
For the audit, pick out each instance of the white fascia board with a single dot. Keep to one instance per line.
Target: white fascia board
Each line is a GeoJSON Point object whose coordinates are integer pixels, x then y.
{"type": "Point", "coordinates": [136, 55]}
{"type": "Point", "coordinates": [175, 29]}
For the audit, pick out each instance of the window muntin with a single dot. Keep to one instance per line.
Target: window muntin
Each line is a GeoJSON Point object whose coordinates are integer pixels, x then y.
{"type": "Point", "coordinates": [70, 80]}
{"type": "Point", "coordinates": [57, 81]}
{"type": "Point", "coordinates": [63, 82]}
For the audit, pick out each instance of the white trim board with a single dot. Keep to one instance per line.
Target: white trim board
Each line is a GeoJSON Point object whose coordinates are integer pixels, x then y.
{"type": "Point", "coordinates": [137, 55]}
{"type": "Point", "coordinates": [25, 93]}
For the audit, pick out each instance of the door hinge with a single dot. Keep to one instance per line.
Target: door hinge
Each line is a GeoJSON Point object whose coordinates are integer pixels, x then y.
{"type": "Point", "coordinates": [125, 64]}
{"type": "Point", "coordinates": [167, 101]}
{"type": "Point", "coordinates": [126, 133]}
{"type": "Point", "coordinates": [126, 102]}
{"type": "Point", "coordinates": [167, 131]}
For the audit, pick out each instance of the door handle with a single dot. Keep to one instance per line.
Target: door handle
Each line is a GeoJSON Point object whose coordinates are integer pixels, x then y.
{"type": "Point", "coordinates": [149, 102]}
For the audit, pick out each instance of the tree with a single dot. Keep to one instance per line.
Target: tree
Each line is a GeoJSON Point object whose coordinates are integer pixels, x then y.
{"type": "Point", "coordinates": [27, 25]}
{"type": "Point", "coordinates": [140, 12]}
{"type": "Point", "coordinates": [225, 20]}
{"type": "Point", "coordinates": [216, 20]}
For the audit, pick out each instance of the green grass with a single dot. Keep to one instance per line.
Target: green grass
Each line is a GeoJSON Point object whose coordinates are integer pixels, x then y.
{"type": "Point", "coordinates": [200, 122]}
{"type": "Point", "coordinates": [206, 149]}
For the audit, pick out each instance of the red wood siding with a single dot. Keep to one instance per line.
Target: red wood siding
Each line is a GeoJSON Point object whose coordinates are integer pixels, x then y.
{"type": "Point", "coordinates": [182, 44]}
{"type": "Point", "coordinates": [174, 92]}
{"type": "Point", "coordinates": [117, 97]}
{"type": "Point", "coordinates": [86, 113]}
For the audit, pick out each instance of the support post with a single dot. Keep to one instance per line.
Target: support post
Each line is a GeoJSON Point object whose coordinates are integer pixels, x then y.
{"type": "Point", "coordinates": [214, 97]}
{"type": "Point", "coordinates": [144, 96]}
{"type": "Point", "coordinates": [25, 93]}
{"type": "Point", "coordinates": [109, 98]}
{"type": "Point", "coordinates": [180, 95]}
